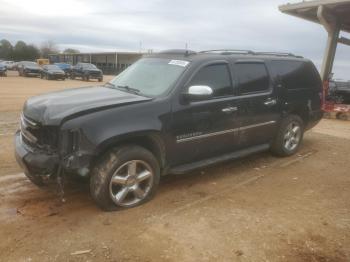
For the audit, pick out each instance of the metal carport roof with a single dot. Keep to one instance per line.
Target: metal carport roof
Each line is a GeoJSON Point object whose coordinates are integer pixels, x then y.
{"type": "Point", "coordinates": [334, 15]}
{"type": "Point", "coordinates": [334, 8]}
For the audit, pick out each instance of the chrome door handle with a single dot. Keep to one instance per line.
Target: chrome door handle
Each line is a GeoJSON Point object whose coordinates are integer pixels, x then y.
{"type": "Point", "coordinates": [270, 102]}
{"type": "Point", "coordinates": [229, 109]}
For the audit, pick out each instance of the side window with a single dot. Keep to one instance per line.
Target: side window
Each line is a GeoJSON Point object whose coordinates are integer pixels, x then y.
{"type": "Point", "coordinates": [252, 78]}
{"type": "Point", "coordinates": [217, 77]}
{"type": "Point", "coordinates": [296, 74]}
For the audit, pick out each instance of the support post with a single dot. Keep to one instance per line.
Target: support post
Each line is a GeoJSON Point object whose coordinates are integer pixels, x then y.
{"type": "Point", "coordinates": [116, 63]}
{"type": "Point", "coordinates": [332, 42]}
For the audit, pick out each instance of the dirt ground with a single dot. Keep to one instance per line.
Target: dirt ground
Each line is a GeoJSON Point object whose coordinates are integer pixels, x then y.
{"type": "Point", "coordinates": [259, 208]}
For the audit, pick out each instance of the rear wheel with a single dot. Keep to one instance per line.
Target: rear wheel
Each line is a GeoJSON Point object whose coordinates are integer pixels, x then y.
{"type": "Point", "coordinates": [127, 176]}
{"type": "Point", "coordinates": [289, 136]}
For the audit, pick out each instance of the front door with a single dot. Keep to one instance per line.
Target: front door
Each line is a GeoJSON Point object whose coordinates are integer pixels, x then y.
{"type": "Point", "coordinates": [203, 129]}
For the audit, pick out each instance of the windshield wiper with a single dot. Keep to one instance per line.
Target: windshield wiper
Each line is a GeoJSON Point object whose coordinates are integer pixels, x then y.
{"type": "Point", "coordinates": [130, 89]}
{"type": "Point", "coordinates": [110, 84]}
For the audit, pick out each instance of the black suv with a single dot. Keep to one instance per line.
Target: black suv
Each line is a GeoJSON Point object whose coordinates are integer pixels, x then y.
{"type": "Point", "coordinates": [86, 72]}
{"type": "Point", "coordinates": [169, 113]}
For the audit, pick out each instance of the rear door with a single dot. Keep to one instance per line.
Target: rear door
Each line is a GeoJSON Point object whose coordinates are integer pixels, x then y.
{"type": "Point", "coordinates": [257, 103]}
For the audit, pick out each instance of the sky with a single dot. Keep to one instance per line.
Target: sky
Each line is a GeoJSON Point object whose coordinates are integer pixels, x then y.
{"type": "Point", "coordinates": [131, 25]}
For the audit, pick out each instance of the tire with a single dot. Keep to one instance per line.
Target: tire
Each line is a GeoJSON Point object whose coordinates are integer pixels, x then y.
{"type": "Point", "coordinates": [72, 76]}
{"type": "Point", "coordinates": [122, 159]}
{"type": "Point", "coordinates": [41, 76]}
{"type": "Point", "coordinates": [87, 78]}
{"type": "Point", "coordinates": [100, 79]}
{"type": "Point", "coordinates": [289, 136]}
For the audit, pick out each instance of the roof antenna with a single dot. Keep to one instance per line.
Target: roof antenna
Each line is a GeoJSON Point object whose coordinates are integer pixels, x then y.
{"type": "Point", "coordinates": [186, 48]}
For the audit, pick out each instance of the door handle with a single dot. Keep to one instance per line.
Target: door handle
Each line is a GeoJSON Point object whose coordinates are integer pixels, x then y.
{"type": "Point", "coordinates": [229, 109]}
{"type": "Point", "coordinates": [270, 102]}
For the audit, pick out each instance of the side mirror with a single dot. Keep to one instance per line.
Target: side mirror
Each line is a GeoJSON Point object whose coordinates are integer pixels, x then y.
{"type": "Point", "coordinates": [196, 93]}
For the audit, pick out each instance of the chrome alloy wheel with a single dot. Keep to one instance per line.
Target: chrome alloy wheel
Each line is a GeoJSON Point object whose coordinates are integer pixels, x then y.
{"type": "Point", "coordinates": [292, 136]}
{"type": "Point", "coordinates": [131, 183]}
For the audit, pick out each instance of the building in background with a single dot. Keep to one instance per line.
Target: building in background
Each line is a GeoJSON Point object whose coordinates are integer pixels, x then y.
{"type": "Point", "coordinates": [108, 62]}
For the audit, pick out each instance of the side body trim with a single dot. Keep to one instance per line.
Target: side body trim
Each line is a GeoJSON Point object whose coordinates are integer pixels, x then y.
{"type": "Point", "coordinates": [182, 140]}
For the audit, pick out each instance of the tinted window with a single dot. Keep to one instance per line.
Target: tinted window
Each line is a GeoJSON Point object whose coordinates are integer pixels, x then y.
{"type": "Point", "coordinates": [252, 78]}
{"type": "Point", "coordinates": [296, 74]}
{"type": "Point", "coordinates": [215, 76]}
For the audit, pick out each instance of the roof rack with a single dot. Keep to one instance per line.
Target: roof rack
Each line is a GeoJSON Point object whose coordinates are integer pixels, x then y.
{"type": "Point", "coordinates": [277, 54]}
{"type": "Point", "coordinates": [228, 51]}
{"type": "Point", "coordinates": [185, 52]}
{"type": "Point", "coordinates": [247, 52]}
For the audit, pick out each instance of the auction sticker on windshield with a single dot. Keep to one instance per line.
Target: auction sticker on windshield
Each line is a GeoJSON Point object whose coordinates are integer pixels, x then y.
{"type": "Point", "coordinates": [179, 63]}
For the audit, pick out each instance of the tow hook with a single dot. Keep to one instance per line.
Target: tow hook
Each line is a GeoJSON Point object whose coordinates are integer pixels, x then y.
{"type": "Point", "coordinates": [60, 184]}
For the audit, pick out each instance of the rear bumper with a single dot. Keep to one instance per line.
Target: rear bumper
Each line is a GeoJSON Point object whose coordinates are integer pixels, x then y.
{"type": "Point", "coordinates": [34, 162]}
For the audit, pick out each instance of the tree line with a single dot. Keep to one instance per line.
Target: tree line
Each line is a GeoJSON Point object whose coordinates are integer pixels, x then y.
{"type": "Point", "coordinates": [23, 51]}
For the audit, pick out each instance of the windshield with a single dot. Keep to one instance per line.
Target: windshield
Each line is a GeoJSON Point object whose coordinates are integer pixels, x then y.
{"type": "Point", "coordinates": [150, 76]}
{"type": "Point", "coordinates": [53, 67]}
{"type": "Point", "coordinates": [89, 66]}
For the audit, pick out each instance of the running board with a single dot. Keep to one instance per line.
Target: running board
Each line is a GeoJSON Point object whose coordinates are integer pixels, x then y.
{"type": "Point", "coordinates": [211, 161]}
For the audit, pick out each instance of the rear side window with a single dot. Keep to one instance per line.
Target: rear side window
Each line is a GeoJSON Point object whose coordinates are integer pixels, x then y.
{"type": "Point", "coordinates": [296, 74]}
{"type": "Point", "coordinates": [252, 78]}
{"type": "Point", "coordinates": [217, 77]}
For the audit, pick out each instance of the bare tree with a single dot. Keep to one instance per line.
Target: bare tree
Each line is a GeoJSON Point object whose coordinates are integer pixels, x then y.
{"type": "Point", "coordinates": [48, 47]}
{"type": "Point", "coordinates": [71, 51]}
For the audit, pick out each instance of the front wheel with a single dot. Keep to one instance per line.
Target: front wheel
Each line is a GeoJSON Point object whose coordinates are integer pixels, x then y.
{"type": "Point", "coordinates": [289, 136]}
{"type": "Point", "coordinates": [125, 177]}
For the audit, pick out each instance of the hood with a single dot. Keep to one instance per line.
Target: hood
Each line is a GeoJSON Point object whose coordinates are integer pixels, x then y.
{"type": "Point", "coordinates": [55, 71]}
{"type": "Point", "coordinates": [53, 108]}
{"type": "Point", "coordinates": [94, 70]}
{"type": "Point", "coordinates": [32, 67]}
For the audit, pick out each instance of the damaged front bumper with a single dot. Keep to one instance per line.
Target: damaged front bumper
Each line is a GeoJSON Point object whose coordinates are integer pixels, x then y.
{"type": "Point", "coordinates": [34, 162]}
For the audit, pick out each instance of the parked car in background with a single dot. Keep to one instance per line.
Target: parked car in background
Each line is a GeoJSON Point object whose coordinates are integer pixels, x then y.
{"type": "Point", "coordinates": [169, 113]}
{"type": "Point", "coordinates": [52, 72]}
{"type": "Point", "coordinates": [3, 69]}
{"type": "Point", "coordinates": [28, 68]}
{"type": "Point", "coordinates": [86, 71]}
{"type": "Point", "coordinates": [67, 68]}
{"type": "Point", "coordinates": [339, 91]}
{"type": "Point", "coordinates": [9, 64]}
